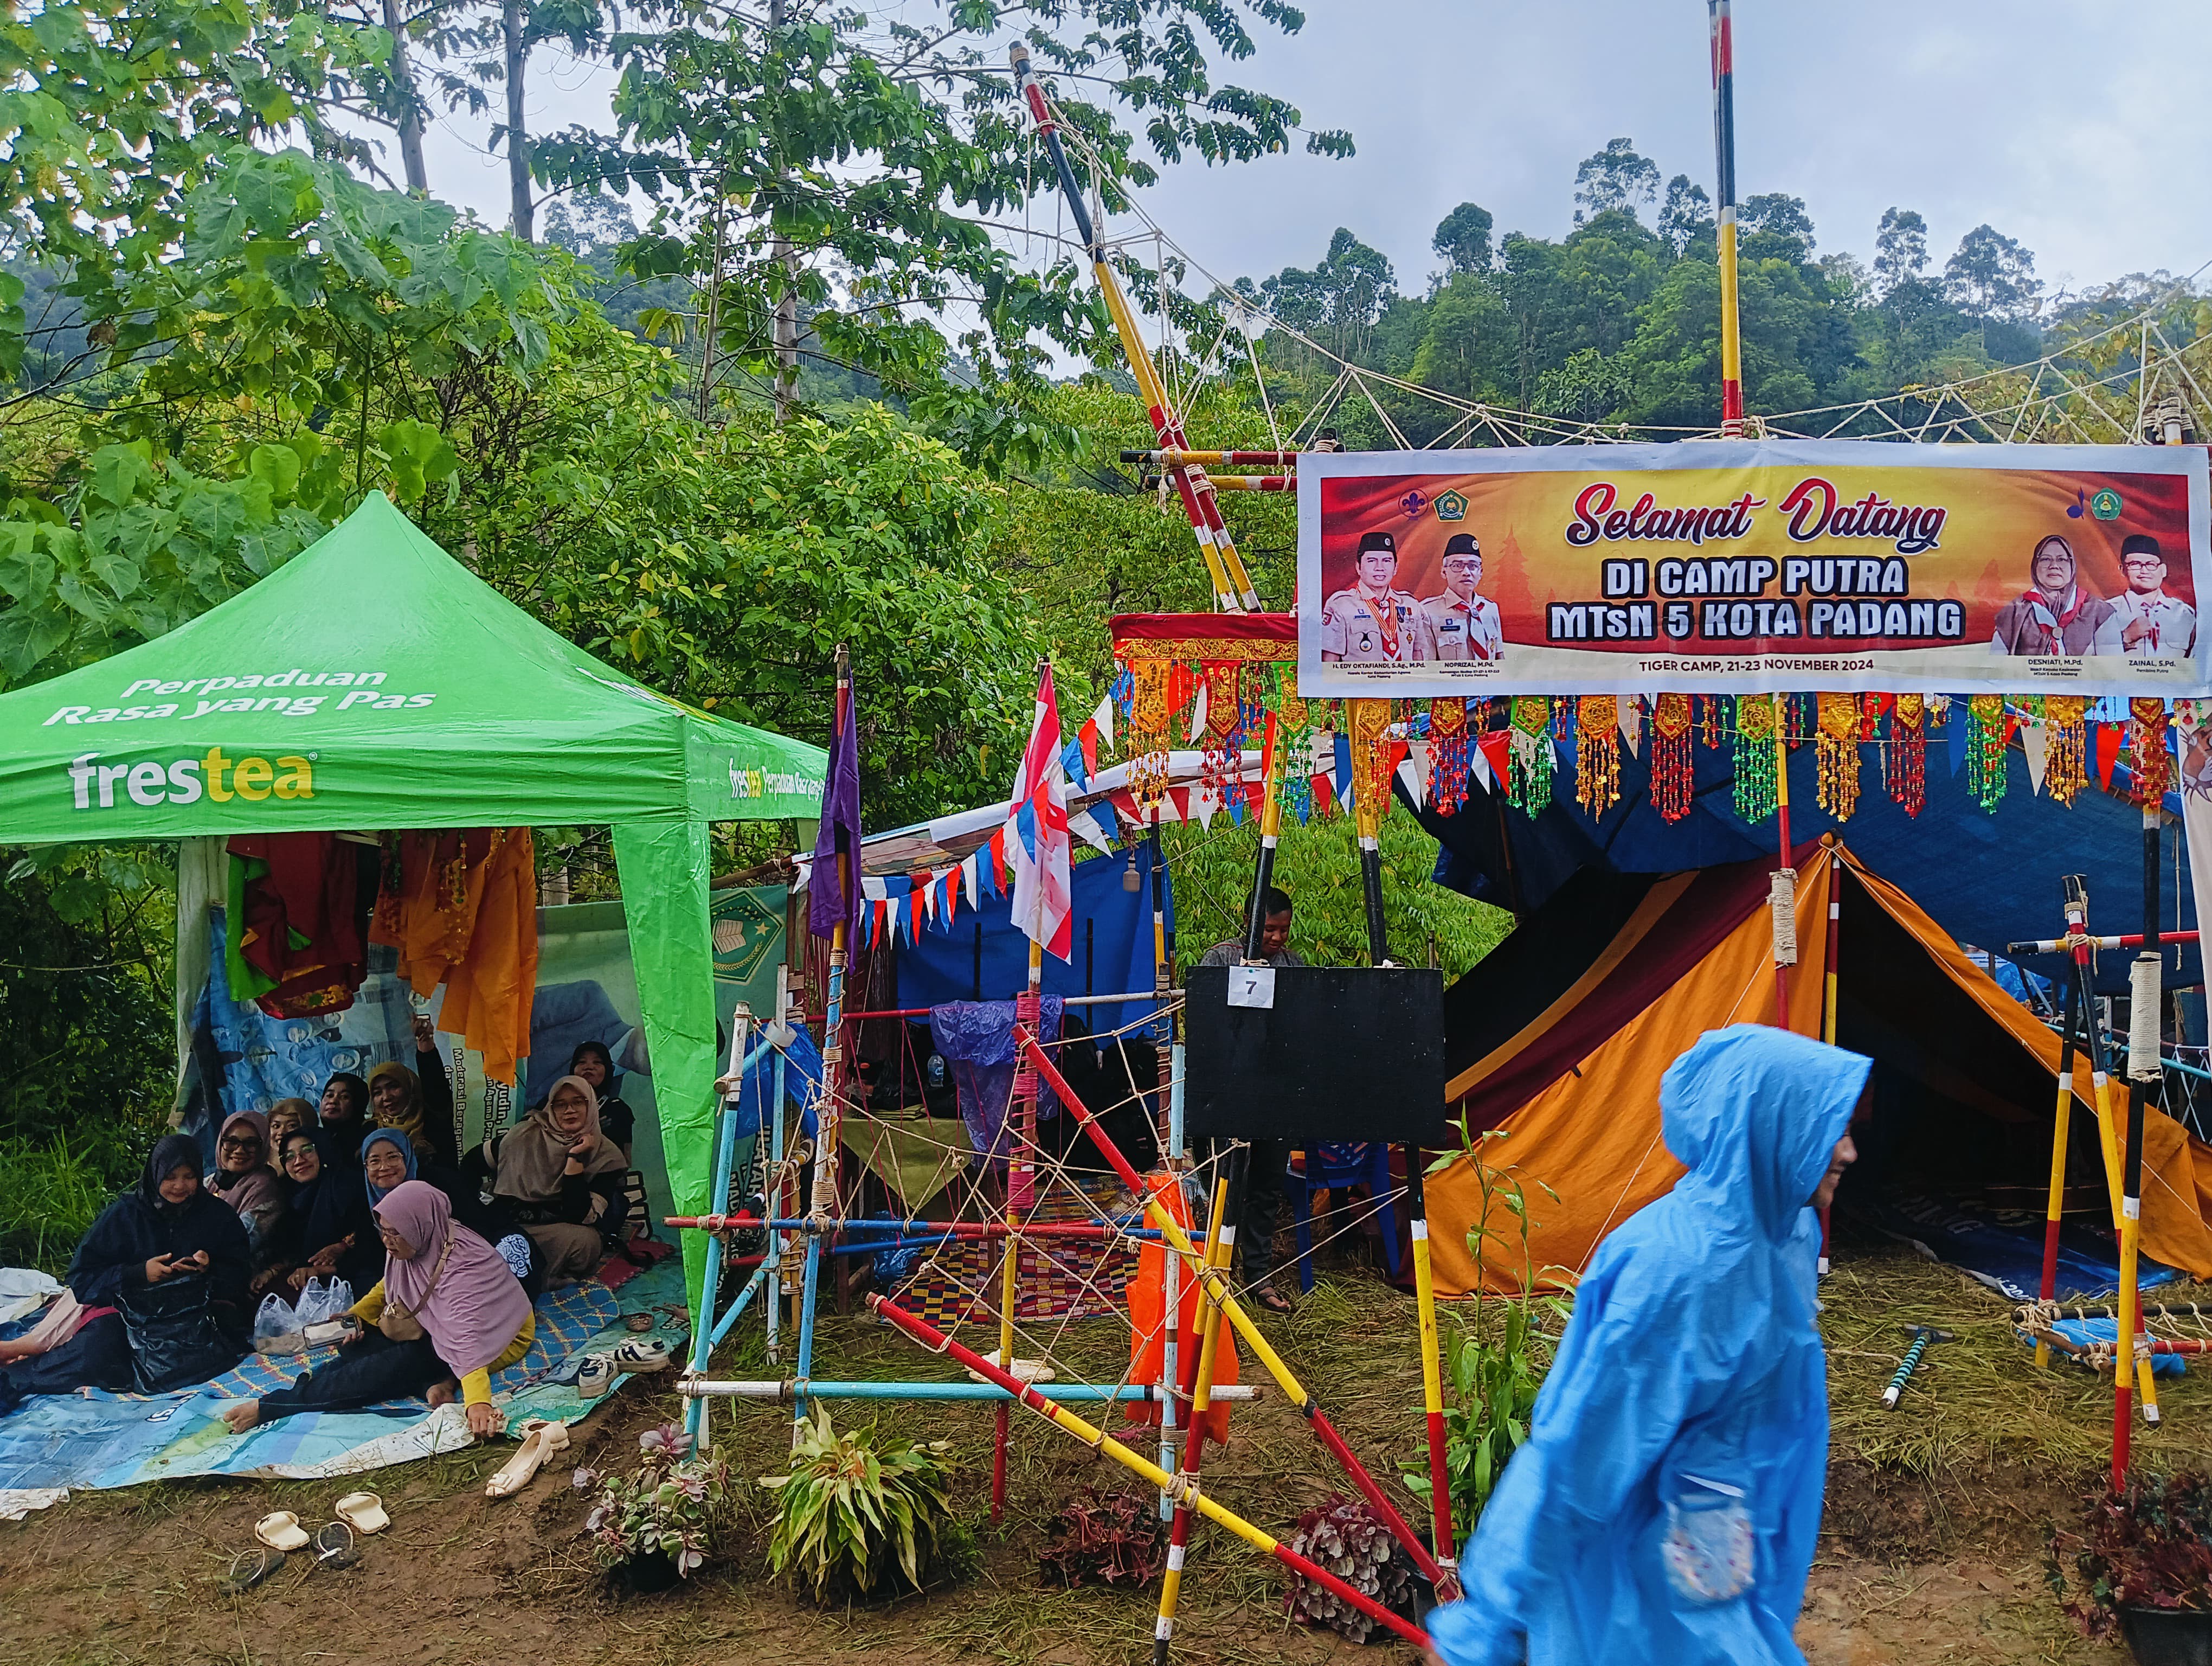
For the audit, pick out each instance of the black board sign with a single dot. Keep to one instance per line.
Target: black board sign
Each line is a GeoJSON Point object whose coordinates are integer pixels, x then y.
{"type": "Point", "coordinates": [1343, 1052]}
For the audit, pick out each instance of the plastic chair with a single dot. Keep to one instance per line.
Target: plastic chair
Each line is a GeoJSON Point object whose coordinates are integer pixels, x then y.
{"type": "Point", "coordinates": [1331, 1168]}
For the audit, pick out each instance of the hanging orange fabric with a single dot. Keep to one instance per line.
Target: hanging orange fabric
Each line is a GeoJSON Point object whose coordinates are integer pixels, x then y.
{"type": "Point", "coordinates": [461, 910]}
{"type": "Point", "coordinates": [1148, 1300]}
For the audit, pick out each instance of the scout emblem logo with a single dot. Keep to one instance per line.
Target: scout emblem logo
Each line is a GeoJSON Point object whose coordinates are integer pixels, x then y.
{"type": "Point", "coordinates": [1450, 506]}
{"type": "Point", "coordinates": [1413, 503]}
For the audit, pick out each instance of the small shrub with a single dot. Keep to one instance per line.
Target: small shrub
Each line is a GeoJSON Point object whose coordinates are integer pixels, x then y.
{"type": "Point", "coordinates": [854, 1513]}
{"type": "Point", "coordinates": [2148, 1548]}
{"type": "Point", "coordinates": [1349, 1540]}
{"type": "Point", "coordinates": [672, 1504]}
{"type": "Point", "coordinates": [1105, 1539]}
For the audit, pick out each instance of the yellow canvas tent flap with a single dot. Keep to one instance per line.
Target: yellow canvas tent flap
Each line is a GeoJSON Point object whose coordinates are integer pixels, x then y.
{"type": "Point", "coordinates": [1557, 1041]}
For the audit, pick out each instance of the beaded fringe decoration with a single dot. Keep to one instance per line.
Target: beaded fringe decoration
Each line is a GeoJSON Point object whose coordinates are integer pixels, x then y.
{"type": "Point", "coordinates": [1597, 752]}
{"type": "Point", "coordinates": [1712, 719]}
{"type": "Point", "coordinates": [1836, 746]}
{"type": "Point", "coordinates": [2154, 769]}
{"type": "Point", "coordinates": [1985, 750]}
{"type": "Point", "coordinates": [1755, 793]}
{"type": "Point", "coordinates": [1223, 738]}
{"type": "Point", "coordinates": [1905, 760]}
{"type": "Point", "coordinates": [1369, 722]}
{"type": "Point", "coordinates": [1448, 755]}
{"type": "Point", "coordinates": [1530, 787]}
{"type": "Point", "coordinates": [1148, 740]}
{"type": "Point", "coordinates": [2065, 746]}
{"type": "Point", "coordinates": [1673, 772]}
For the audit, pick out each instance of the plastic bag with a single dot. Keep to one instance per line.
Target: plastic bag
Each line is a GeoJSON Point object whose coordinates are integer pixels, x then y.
{"type": "Point", "coordinates": [320, 1301]}
{"type": "Point", "coordinates": [277, 1327]}
{"type": "Point", "coordinates": [173, 1337]}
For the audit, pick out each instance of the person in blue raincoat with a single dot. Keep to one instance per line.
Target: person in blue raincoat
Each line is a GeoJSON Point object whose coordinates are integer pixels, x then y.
{"type": "Point", "coordinates": [1665, 1503]}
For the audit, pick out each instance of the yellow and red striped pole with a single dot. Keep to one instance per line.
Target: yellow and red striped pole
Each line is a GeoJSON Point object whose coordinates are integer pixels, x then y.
{"type": "Point", "coordinates": [1233, 585]}
{"type": "Point", "coordinates": [1723, 50]}
{"type": "Point", "coordinates": [1207, 1326]}
{"type": "Point", "coordinates": [1828, 991]}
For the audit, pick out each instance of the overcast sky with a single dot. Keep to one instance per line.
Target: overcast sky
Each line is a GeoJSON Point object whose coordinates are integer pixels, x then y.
{"type": "Point", "coordinates": [2071, 125]}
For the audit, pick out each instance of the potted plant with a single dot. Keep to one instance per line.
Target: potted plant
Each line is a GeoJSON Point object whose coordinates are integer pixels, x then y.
{"type": "Point", "coordinates": [858, 1517]}
{"type": "Point", "coordinates": [2141, 1567]}
{"type": "Point", "coordinates": [1348, 1539]}
{"type": "Point", "coordinates": [656, 1525]}
{"type": "Point", "coordinates": [1105, 1539]}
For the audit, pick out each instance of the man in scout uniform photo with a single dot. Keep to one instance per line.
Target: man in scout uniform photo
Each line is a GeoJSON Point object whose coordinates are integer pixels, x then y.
{"type": "Point", "coordinates": [2146, 621]}
{"type": "Point", "coordinates": [1372, 622]}
{"type": "Point", "coordinates": [1463, 624]}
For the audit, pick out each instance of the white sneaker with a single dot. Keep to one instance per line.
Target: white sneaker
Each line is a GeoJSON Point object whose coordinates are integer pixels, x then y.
{"type": "Point", "coordinates": [596, 1376]}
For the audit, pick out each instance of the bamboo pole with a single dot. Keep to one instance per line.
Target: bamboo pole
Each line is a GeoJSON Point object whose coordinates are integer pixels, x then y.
{"type": "Point", "coordinates": [2143, 1068]}
{"type": "Point", "coordinates": [2060, 1124]}
{"type": "Point", "coordinates": [1099, 1441]}
{"type": "Point", "coordinates": [1247, 1328]}
{"type": "Point", "coordinates": [1828, 991]}
{"type": "Point", "coordinates": [1782, 811]}
{"type": "Point", "coordinates": [1220, 1246]}
{"type": "Point", "coordinates": [1020, 1116]}
{"type": "Point", "coordinates": [1723, 34]}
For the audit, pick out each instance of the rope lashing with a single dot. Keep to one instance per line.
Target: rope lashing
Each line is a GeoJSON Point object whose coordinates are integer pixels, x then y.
{"type": "Point", "coordinates": [1782, 902]}
{"type": "Point", "coordinates": [2144, 1064]}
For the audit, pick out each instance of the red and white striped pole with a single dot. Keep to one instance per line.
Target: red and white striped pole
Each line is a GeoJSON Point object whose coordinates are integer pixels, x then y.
{"type": "Point", "coordinates": [1723, 47]}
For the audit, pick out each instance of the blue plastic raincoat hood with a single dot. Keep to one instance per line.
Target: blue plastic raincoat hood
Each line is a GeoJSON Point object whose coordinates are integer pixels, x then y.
{"type": "Point", "coordinates": [1687, 1407]}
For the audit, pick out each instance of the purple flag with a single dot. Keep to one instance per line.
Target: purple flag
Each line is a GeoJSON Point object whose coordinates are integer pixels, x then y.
{"type": "Point", "coordinates": [828, 905]}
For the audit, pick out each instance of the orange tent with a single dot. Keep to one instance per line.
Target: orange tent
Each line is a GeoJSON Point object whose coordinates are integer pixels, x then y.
{"type": "Point", "coordinates": [1557, 1041]}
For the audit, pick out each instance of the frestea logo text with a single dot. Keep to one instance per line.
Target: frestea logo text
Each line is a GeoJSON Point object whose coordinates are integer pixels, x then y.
{"type": "Point", "coordinates": [217, 775]}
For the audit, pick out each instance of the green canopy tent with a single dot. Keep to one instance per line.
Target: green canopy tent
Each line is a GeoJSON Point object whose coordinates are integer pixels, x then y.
{"type": "Point", "coordinates": [373, 683]}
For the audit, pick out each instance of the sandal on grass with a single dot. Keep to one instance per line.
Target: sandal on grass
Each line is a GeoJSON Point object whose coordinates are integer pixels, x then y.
{"type": "Point", "coordinates": [653, 1355]}
{"type": "Point", "coordinates": [1274, 1300]}
{"type": "Point", "coordinates": [362, 1512]}
{"type": "Point", "coordinates": [251, 1567]}
{"type": "Point", "coordinates": [335, 1547]}
{"type": "Point", "coordinates": [281, 1531]}
{"type": "Point", "coordinates": [540, 1440]}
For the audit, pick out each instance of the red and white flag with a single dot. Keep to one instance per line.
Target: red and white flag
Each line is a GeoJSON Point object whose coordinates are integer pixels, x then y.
{"type": "Point", "coordinates": [1036, 841]}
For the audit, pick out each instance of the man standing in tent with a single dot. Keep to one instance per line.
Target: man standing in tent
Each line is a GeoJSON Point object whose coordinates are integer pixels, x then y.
{"type": "Point", "coordinates": [1370, 624]}
{"type": "Point", "coordinates": [1666, 1504]}
{"type": "Point", "coordinates": [1263, 1175]}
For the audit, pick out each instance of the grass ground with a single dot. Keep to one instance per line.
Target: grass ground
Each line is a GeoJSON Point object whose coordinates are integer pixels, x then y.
{"type": "Point", "coordinates": [1933, 1549]}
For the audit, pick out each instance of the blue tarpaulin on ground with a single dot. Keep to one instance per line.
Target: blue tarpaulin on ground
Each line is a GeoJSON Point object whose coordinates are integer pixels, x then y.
{"type": "Point", "coordinates": [1988, 878]}
{"type": "Point", "coordinates": [983, 957]}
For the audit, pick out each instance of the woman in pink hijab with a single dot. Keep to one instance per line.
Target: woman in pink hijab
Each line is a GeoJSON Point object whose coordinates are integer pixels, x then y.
{"type": "Point", "coordinates": [473, 1317]}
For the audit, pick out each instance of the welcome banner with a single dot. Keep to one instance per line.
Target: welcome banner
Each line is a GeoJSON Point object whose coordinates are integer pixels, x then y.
{"type": "Point", "coordinates": [1752, 567]}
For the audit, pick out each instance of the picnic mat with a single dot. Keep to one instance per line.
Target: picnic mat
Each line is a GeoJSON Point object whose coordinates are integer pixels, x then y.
{"type": "Point", "coordinates": [2002, 1248]}
{"type": "Point", "coordinates": [1056, 1278]}
{"type": "Point", "coordinates": [92, 1439]}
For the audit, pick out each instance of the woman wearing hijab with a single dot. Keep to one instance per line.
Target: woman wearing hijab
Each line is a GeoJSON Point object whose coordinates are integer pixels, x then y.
{"type": "Point", "coordinates": [2056, 614]}
{"type": "Point", "coordinates": [344, 1114]}
{"type": "Point", "coordinates": [166, 1231]}
{"type": "Point", "coordinates": [595, 1067]}
{"type": "Point", "coordinates": [388, 1161]}
{"type": "Point", "coordinates": [399, 1103]}
{"type": "Point", "coordinates": [563, 1180]}
{"type": "Point", "coordinates": [244, 1177]}
{"type": "Point", "coordinates": [441, 1282]}
{"type": "Point", "coordinates": [1668, 1499]}
{"type": "Point", "coordinates": [330, 1234]}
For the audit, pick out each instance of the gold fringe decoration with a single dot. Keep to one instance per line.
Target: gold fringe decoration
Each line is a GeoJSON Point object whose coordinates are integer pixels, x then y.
{"type": "Point", "coordinates": [1151, 681]}
{"type": "Point", "coordinates": [2065, 746]}
{"type": "Point", "coordinates": [1597, 752]}
{"type": "Point", "coordinates": [2154, 766]}
{"type": "Point", "coordinates": [1368, 721]}
{"type": "Point", "coordinates": [1836, 746]}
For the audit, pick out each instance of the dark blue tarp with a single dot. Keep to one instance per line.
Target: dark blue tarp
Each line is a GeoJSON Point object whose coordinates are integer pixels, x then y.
{"type": "Point", "coordinates": [1987, 878]}
{"type": "Point", "coordinates": [1111, 947]}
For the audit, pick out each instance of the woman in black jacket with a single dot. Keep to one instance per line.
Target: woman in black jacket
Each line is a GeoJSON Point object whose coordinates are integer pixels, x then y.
{"type": "Point", "coordinates": [153, 1252]}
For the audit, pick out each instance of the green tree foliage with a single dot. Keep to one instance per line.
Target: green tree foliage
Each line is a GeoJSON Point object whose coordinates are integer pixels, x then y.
{"type": "Point", "coordinates": [1463, 239]}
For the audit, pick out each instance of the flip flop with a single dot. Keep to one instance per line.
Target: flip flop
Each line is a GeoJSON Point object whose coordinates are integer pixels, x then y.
{"type": "Point", "coordinates": [251, 1567]}
{"type": "Point", "coordinates": [540, 1440]}
{"type": "Point", "coordinates": [280, 1530]}
{"type": "Point", "coordinates": [362, 1512]}
{"type": "Point", "coordinates": [334, 1546]}
{"type": "Point", "coordinates": [1274, 1301]}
